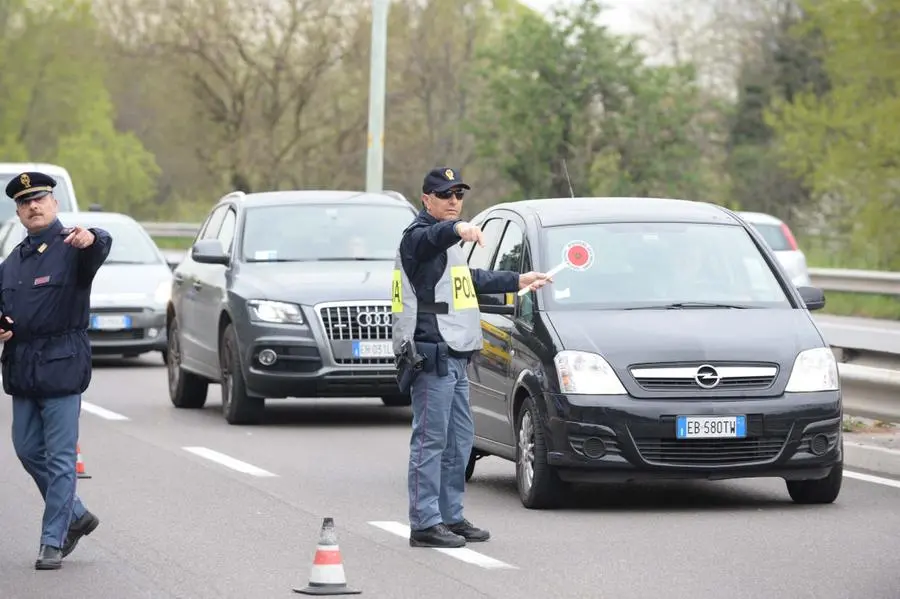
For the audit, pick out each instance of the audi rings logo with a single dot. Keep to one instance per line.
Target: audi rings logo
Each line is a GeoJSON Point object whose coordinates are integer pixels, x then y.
{"type": "Point", "coordinates": [707, 376]}
{"type": "Point", "coordinates": [374, 319]}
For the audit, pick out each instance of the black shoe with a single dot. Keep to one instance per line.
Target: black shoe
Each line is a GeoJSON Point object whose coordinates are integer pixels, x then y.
{"type": "Point", "coordinates": [436, 536]}
{"type": "Point", "coordinates": [49, 558]}
{"type": "Point", "coordinates": [469, 532]}
{"type": "Point", "coordinates": [77, 529]}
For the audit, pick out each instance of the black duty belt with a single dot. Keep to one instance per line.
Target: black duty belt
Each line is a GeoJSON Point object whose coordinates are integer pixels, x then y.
{"type": "Point", "coordinates": [433, 308]}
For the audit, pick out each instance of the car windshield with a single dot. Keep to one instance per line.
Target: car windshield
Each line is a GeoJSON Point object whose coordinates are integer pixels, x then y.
{"type": "Point", "coordinates": [131, 244]}
{"type": "Point", "coordinates": [8, 207]}
{"type": "Point", "coordinates": [303, 232]}
{"type": "Point", "coordinates": [647, 265]}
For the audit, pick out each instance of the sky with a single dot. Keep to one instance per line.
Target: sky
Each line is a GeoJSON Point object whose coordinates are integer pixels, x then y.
{"type": "Point", "coordinates": [621, 16]}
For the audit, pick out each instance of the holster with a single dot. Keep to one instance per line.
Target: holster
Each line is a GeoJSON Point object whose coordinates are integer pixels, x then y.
{"type": "Point", "coordinates": [409, 364]}
{"type": "Point", "coordinates": [436, 356]}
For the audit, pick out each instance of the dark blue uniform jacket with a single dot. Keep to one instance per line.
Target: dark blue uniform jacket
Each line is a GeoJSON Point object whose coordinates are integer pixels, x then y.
{"type": "Point", "coordinates": [47, 294]}
{"type": "Point", "coordinates": [423, 254]}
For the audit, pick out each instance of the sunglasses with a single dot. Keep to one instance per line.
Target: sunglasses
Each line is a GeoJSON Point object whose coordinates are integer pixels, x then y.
{"type": "Point", "coordinates": [446, 195]}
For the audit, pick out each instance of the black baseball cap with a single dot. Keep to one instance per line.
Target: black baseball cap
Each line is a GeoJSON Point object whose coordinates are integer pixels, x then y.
{"type": "Point", "coordinates": [441, 179]}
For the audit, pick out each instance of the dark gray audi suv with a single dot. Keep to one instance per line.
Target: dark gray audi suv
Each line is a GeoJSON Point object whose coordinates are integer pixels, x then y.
{"type": "Point", "coordinates": [287, 294]}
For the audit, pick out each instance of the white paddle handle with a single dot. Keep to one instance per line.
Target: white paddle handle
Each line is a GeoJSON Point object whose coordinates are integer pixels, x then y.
{"type": "Point", "coordinates": [552, 272]}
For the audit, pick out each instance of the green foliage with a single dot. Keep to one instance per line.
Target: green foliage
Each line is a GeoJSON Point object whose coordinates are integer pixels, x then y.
{"type": "Point", "coordinates": [54, 105]}
{"type": "Point", "coordinates": [844, 144]}
{"type": "Point", "coordinates": [565, 89]}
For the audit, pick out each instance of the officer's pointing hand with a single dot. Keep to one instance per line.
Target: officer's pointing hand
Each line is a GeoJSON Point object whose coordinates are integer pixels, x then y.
{"type": "Point", "coordinates": [80, 238]}
{"type": "Point", "coordinates": [469, 232]}
{"type": "Point", "coordinates": [5, 335]}
{"type": "Point", "coordinates": [533, 280]}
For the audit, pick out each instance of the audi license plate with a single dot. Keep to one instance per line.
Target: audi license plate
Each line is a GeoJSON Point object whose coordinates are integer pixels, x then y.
{"type": "Point", "coordinates": [711, 427]}
{"type": "Point", "coordinates": [110, 322]}
{"type": "Point", "coordinates": [373, 349]}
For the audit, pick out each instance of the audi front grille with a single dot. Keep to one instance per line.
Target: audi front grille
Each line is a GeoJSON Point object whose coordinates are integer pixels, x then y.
{"type": "Point", "coordinates": [345, 322]}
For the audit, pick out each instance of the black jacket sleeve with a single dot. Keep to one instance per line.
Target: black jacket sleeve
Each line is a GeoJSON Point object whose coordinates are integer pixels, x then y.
{"type": "Point", "coordinates": [424, 244]}
{"type": "Point", "coordinates": [494, 281]}
{"type": "Point", "coordinates": [91, 258]}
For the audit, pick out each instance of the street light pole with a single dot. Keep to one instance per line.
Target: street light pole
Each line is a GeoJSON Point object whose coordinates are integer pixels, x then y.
{"type": "Point", "coordinates": [377, 72]}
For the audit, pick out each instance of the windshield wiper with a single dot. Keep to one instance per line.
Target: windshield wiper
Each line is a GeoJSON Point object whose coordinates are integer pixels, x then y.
{"type": "Point", "coordinates": [688, 305]}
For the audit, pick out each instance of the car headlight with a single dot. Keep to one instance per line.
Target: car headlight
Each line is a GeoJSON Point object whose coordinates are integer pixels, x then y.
{"type": "Point", "coordinates": [586, 374]}
{"type": "Point", "coordinates": [814, 370]}
{"type": "Point", "coordinates": [163, 293]}
{"type": "Point", "coordinates": [280, 312]}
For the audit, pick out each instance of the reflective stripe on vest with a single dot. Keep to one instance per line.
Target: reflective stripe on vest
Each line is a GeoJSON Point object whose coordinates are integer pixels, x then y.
{"type": "Point", "coordinates": [460, 327]}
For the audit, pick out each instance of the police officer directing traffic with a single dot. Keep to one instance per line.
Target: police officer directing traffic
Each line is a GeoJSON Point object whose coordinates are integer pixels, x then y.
{"type": "Point", "coordinates": [45, 288]}
{"type": "Point", "coordinates": [435, 309]}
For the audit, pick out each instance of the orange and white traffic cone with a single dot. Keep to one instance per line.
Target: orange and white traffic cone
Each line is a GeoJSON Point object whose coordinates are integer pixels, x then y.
{"type": "Point", "coordinates": [79, 464]}
{"type": "Point", "coordinates": [327, 574]}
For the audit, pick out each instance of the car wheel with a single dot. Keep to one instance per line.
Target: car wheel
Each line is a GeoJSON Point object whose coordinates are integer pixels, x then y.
{"type": "Point", "coordinates": [186, 390]}
{"type": "Point", "coordinates": [823, 490]}
{"type": "Point", "coordinates": [396, 401]}
{"type": "Point", "coordinates": [538, 483]}
{"type": "Point", "coordinates": [237, 406]}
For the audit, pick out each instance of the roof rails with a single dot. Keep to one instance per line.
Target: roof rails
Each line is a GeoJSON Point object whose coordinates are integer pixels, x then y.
{"type": "Point", "coordinates": [232, 194]}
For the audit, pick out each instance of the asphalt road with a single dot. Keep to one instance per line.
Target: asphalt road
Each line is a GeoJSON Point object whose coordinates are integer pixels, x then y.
{"type": "Point", "coordinates": [176, 523]}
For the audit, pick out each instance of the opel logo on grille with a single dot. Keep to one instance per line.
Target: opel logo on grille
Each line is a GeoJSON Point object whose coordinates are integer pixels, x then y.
{"type": "Point", "coordinates": [707, 376]}
{"type": "Point", "coordinates": [374, 319]}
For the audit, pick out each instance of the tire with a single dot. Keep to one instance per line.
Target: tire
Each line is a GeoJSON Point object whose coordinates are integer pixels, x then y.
{"type": "Point", "coordinates": [237, 406]}
{"type": "Point", "coordinates": [823, 490]}
{"type": "Point", "coordinates": [470, 467]}
{"type": "Point", "coordinates": [186, 389]}
{"type": "Point", "coordinates": [396, 401]}
{"type": "Point", "coordinates": [537, 481]}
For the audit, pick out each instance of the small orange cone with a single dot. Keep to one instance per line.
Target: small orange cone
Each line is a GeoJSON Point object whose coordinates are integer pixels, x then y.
{"type": "Point", "coordinates": [327, 574]}
{"type": "Point", "coordinates": [79, 464]}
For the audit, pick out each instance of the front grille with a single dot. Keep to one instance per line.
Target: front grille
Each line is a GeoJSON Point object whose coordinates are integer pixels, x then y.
{"type": "Point", "coordinates": [682, 377]}
{"type": "Point", "coordinates": [345, 324]}
{"type": "Point", "coordinates": [709, 452]}
{"type": "Point", "coordinates": [349, 322]}
{"type": "Point", "coordinates": [129, 335]}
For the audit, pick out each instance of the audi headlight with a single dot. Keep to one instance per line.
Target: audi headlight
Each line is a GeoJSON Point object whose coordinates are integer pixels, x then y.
{"type": "Point", "coordinates": [585, 373]}
{"type": "Point", "coordinates": [163, 293]}
{"type": "Point", "coordinates": [814, 370]}
{"type": "Point", "coordinates": [280, 312]}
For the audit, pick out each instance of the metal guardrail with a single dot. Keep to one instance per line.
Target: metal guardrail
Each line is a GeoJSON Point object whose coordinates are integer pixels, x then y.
{"type": "Point", "coordinates": [856, 281]}
{"type": "Point", "coordinates": [171, 229]}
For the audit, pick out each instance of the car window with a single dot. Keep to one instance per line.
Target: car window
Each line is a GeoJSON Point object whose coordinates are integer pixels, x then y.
{"type": "Point", "coordinates": [60, 192]}
{"type": "Point", "coordinates": [226, 231]}
{"type": "Point", "coordinates": [647, 264]}
{"type": "Point", "coordinates": [774, 236]}
{"type": "Point", "coordinates": [300, 232]}
{"type": "Point", "coordinates": [526, 302]}
{"type": "Point", "coordinates": [213, 223]}
{"type": "Point", "coordinates": [491, 231]}
{"type": "Point", "coordinates": [509, 256]}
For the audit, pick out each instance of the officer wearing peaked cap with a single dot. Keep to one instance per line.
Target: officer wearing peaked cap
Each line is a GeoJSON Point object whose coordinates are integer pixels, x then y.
{"type": "Point", "coordinates": [434, 305]}
{"type": "Point", "coordinates": [45, 289]}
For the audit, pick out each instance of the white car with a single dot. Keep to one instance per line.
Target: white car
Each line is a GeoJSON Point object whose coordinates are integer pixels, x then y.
{"type": "Point", "coordinates": [779, 237]}
{"type": "Point", "coordinates": [64, 191]}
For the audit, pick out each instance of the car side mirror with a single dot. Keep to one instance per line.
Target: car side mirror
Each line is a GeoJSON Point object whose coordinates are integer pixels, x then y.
{"type": "Point", "coordinates": [498, 303]}
{"type": "Point", "coordinates": [209, 251]}
{"type": "Point", "coordinates": [813, 297]}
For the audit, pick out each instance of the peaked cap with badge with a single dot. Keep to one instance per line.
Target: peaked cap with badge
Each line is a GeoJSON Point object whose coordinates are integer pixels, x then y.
{"type": "Point", "coordinates": [30, 186]}
{"type": "Point", "coordinates": [441, 179]}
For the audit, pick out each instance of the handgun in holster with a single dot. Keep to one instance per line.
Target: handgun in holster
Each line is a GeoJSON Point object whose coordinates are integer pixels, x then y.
{"type": "Point", "coordinates": [409, 363]}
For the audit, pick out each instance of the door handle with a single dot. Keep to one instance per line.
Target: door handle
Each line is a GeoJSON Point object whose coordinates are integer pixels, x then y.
{"type": "Point", "coordinates": [179, 279]}
{"type": "Point", "coordinates": [197, 285]}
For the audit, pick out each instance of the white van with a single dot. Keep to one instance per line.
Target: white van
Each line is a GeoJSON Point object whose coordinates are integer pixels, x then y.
{"type": "Point", "coordinates": [64, 192]}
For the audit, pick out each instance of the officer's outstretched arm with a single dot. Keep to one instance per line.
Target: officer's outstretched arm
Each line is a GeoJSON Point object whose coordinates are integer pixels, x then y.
{"type": "Point", "coordinates": [426, 243]}
{"type": "Point", "coordinates": [91, 258]}
{"type": "Point", "coordinates": [494, 281]}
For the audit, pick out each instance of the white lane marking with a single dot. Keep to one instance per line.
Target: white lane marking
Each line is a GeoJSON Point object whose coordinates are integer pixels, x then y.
{"type": "Point", "coordinates": [101, 412]}
{"type": "Point", "coordinates": [228, 461]}
{"type": "Point", "coordinates": [462, 553]}
{"type": "Point", "coordinates": [869, 478]}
